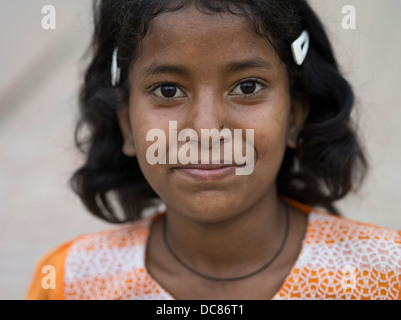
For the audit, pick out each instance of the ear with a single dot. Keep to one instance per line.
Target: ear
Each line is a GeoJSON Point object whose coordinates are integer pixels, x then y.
{"type": "Point", "coordinates": [298, 115]}
{"type": "Point", "coordinates": [126, 130]}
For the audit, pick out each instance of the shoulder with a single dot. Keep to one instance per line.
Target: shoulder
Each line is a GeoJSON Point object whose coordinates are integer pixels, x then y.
{"type": "Point", "coordinates": [329, 231]}
{"type": "Point", "coordinates": [46, 283]}
{"type": "Point", "coordinates": [98, 258]}
{"type": "Point", "coordinates": [359, 260]}
{"type": "Point", "coordinates": [327, 228]}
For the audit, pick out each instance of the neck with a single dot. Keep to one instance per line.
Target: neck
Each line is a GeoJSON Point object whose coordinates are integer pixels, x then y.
{"type": "Point", "coordinates": [239, 244]}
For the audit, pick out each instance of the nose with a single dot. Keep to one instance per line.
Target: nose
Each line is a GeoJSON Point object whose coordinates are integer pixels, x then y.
{"type": "Point", "coordinates": [207, 111]}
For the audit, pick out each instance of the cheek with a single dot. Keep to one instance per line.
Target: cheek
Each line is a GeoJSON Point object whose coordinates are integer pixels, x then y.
{"type": "Point", "coordinates": [270, 124]}
{"type": "Point", "coordinates": [143, 121]}
{"type": "Point", "coordinates": [271, 129]}
{"type": "Point", "coordinates": [153, 173]}
{"type": "Point", "coordinates": [271, 141]}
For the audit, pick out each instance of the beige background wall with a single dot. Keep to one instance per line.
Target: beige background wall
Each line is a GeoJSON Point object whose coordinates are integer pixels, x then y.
{"type": "Point", "coordinates": [40, 70]}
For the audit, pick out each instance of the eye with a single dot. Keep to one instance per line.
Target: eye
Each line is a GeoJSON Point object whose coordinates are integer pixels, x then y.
{"type": "Point", "coordinates": [248, 87]}
{"type": "Point", "coordinates": [168, 91]}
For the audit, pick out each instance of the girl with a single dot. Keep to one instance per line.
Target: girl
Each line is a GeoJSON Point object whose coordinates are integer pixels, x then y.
{"type": "Point", "coordinates": [265, 66]}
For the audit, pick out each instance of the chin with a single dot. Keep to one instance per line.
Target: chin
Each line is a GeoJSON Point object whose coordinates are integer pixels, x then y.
{"type": "Point", "coordinates": [210, 209]}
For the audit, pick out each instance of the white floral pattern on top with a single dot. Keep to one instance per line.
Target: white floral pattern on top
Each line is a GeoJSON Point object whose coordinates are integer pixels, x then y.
{"type": "Point", "coordinates": [339, 259]}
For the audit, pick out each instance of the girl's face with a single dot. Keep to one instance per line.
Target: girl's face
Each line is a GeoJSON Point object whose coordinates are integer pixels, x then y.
{"type": "Point", "coordinates": [203, 71]}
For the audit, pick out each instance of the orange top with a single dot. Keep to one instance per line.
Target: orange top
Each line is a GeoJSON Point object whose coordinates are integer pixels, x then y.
{"type": "Point", "coordinates": [339, 259]}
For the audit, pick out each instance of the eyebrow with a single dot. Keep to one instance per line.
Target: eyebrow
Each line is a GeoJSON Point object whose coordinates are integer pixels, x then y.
{"type": "Point", "coordinates": [256, 63]}
{"type": "Point", "coordinates": [155, 69]}
{"type": "Point", "coordinates": [235, 66]}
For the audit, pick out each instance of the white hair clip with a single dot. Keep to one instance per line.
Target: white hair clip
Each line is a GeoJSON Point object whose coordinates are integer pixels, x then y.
{"type": "Point", "coordinates": [115, 70]}
{"type": "Point", "coordinates": [300, 47]}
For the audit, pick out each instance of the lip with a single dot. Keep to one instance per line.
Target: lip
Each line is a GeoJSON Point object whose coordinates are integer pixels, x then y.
{"type": "Point", "coordinates": [207, 172]}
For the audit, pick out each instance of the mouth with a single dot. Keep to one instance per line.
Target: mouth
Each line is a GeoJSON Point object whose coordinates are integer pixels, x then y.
{"type": "Point", "coordinates": [207, 172]}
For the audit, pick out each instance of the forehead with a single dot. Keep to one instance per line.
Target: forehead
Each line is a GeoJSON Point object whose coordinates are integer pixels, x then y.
{"type": "Point", "coordinates": [190, 35]}
{"type": "Point", "coordinates": [191, 20]}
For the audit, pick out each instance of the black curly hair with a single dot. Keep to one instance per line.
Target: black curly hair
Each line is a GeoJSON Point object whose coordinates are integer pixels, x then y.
{"type": "Point", "coordinates": [327, 163]}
